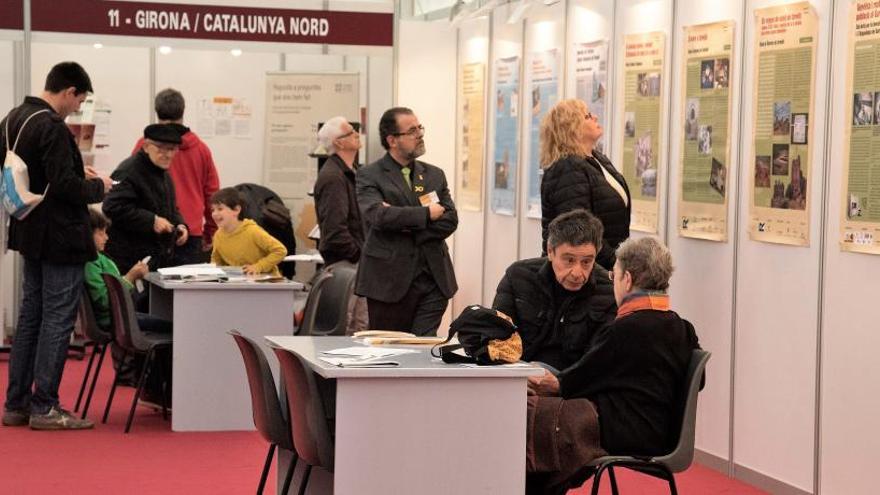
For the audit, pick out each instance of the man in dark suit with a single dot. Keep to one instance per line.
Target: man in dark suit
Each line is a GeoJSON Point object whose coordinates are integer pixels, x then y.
{"type": "Point", "coordinates": [405, 270]}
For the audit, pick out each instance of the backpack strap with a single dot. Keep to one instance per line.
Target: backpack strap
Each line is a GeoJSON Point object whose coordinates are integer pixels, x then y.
{"type": "Point", "coordinates": [21, 129]}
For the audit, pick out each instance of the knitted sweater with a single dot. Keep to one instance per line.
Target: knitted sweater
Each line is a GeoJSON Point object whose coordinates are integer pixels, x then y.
{"type": "Point", "coordinates": [248, 244]}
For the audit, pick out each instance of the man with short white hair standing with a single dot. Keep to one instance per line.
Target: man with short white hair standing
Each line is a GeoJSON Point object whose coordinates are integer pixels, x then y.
{"type": "Point", "coordinates": [342, 232]}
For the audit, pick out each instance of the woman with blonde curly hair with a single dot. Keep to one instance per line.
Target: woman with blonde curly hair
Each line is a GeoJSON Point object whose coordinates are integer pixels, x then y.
{"type": "Point", "coordinates": [576, 175]}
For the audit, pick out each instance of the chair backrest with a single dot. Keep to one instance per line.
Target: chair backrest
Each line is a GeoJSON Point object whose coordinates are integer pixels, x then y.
{"type": "Point", "coordinates": [90, 326]}
{"type": "Point", "coordinates": [126, 332]}
{"type": "Point", "coordinates": [268, 417]}
{"type": "Point", "coordinates": [312, 301]}
{"type": "Point", "coordinates": [331, 317]}
{"type": "Point", "coordinates": [308, 421]}
{"type": "Point", "coordinates": [683, 454]}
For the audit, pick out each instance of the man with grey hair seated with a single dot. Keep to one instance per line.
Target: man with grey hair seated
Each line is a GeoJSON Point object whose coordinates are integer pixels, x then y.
{"type": "Point", "coordinates": [339, 218]}
{"type": "Point", "coordinates": [627, 385]}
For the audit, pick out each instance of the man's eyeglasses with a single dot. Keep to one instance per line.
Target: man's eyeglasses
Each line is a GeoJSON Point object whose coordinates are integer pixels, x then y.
{"type": "Point", "coordinates": [590, 116]}
{"type": "Point", "coordinates": [415, 131]}
{"type": "Point", "coordinates": [347, 134]}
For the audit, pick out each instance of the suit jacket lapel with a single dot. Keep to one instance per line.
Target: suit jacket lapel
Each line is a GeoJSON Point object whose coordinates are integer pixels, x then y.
{"type": "Point", "coordinates": [419, 180]}
{"type": "Point", "coordinates": [392, 169]}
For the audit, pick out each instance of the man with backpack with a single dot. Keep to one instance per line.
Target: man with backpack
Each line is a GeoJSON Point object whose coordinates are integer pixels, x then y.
{"type": "Point", "coordinates": [55, 242]}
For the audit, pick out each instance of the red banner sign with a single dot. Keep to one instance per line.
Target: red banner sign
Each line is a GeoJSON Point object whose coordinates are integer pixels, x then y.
{"type": "Point", "coordinates": [166, 20]}
{"type": "Point", "coordinates": [11, 14]}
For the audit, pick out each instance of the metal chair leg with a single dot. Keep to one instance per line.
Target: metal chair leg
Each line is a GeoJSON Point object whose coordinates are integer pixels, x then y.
{"type": "Point", "coordinates": [82, 388]}
{"type": "Point", "coordinates": [94, 380]}
{"type": "Point", "coordinates": [110, 399]}
{"type": "Point", "coordinates": [266, 467]}
{"type": "Point", "coordinates": [305, 480]}
{"type": "Point", "coordinates": [613, 480]}
{"type": "Point", "coordinates": [289, 476]}
{"type": "Point", "coordinates": [597, 478]}
{"type": "Point", "coordinates": [148, 361]}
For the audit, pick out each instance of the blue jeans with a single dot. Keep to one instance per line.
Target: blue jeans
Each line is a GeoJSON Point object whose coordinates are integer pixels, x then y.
{"type": "Point", "coordinates": [50, 296]}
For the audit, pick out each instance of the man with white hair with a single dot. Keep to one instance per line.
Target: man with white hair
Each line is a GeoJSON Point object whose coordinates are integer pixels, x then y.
{"type": "Point", "coordinates": [339, 218]}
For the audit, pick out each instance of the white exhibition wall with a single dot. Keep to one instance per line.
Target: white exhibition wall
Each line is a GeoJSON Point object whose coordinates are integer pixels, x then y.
{"type": "Point", "coordinates": [791, 329]}
{"type": "Point", "coordinates": [7, 100]}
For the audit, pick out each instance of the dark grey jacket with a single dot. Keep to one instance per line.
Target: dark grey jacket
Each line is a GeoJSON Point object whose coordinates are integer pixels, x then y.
{"type": "Point", "coordinates": [342, 231]}
{"type": "Point", "coordinates": [401, 240]}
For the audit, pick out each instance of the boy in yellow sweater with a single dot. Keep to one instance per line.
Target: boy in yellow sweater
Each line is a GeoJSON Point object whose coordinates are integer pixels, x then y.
{"type": "Point", "coordinates": [241, 242]}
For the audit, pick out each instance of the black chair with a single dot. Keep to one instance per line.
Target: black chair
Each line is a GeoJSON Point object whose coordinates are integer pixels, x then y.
{"type": "Point", "coordinates": [310, 311]}
{"type": "Point", "coordinates": [268, 416]}
{"type": "Point", "coordinates": [312, 436]}
{"type": "Point", "coordinates": [327, 312]}
{"type": "Point", "coordinates": [681, 457]}
{"type": "Point", "coordinates": [101, 339]}
{"type": "Point", "coordinates": [129, 337]}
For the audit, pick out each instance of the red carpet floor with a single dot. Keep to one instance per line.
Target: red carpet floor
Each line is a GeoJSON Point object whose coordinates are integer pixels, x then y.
{"type": "Point", "coordinates": [154, 460]}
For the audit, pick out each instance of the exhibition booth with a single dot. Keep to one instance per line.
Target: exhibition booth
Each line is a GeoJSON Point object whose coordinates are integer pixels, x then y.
{"type": "Point", "coordinates": [744, 128]}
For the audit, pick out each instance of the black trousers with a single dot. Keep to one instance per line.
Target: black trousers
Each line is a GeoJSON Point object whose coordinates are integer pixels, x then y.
{"type": "Point", "coordinates": [419, 312]}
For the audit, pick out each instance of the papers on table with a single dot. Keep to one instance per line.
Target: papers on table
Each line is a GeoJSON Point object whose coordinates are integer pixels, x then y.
{"type": "Point", "coordinates": [310, 258]}
{"type": "Point", "coordinates": [361, 357]}
{"type": "Point", "coordinates": [191, 271]}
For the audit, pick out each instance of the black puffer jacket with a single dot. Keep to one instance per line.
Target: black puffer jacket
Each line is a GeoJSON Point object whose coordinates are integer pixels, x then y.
{"type": "Point", "coordinates": [58, 229]}
{"type": "Point", "coordinates": [144, 191]}
{"type": "Point", "coordinates": [575, 182]}
{"type": "Point", "coordinates": [554, 330]}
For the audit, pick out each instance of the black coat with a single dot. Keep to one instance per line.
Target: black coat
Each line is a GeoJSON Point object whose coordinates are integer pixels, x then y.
{"type": "Point", "coordinates": [554, 330]}
{"type": "Point", "coordinates": [401, 239]}
{"type": "Point", "coordinates": [58, 229]}
{"type": "Point", "coordinates": [575, 182]}
{"type": "Point", "coordinates": [634, 374]}
{"type": "Point", "coordinates": [342, 231]}
{"type": "Point", "coordinates": [144, 191]}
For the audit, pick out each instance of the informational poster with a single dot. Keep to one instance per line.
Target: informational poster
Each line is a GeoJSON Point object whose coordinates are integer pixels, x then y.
{"type": "Point", "coordinates": [704, 167]}
{"type": "Point", "coordinates": [469, 194]}
{"type": "Point", "coordinates": [591, 81]}
{"type": "Point", "coordinates": [544, 91]}
{"type": "Point", "coordinates": [295, 104]}
{"type": "Point", "coordinates": [643, 63]}
{"type": "Point", "coordinates": [860, 215]}
{"type": "Point", "coordinates": [507, 90]}
{"type": "Point", "coordinates": [785, 49]}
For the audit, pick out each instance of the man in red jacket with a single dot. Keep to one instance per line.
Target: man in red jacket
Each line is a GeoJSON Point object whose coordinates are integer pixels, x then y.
{"type": "Point", "coordinates": [195, 180]}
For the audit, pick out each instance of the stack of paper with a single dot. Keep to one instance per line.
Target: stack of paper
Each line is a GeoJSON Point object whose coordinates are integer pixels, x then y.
{"type": "Point", "coordinates": [363, 357]}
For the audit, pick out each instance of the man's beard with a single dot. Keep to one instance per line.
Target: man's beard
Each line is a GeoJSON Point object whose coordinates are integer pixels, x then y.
{"type": "Point", "coordinates": [418, 151]}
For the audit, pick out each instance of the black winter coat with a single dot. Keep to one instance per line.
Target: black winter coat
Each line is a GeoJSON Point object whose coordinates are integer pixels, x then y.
{"type": "Point", "coordinates": [144, 191]}
{"type": "Point", "coordinates": [58, 229]}
{"type": "Point", "coordinates": [575, 182]}
{"type": "Point", "coordinates": [554, 331]}
{"type": "Point", "coordinates": [634, 374]}
{"type": "Point", "coordinates": [342, 231]}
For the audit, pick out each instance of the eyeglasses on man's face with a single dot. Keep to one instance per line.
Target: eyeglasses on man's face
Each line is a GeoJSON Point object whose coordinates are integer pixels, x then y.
{"type": "Point", "coordinates": [590, 116]}
{"type": "Point", "coordinates": [412, 131]}
{"type": "Point", "coordinates": [349, 133]}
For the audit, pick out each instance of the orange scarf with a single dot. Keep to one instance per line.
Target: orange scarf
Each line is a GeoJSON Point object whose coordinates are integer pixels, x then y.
{"type": "Point", "coordinates": [639, 301]}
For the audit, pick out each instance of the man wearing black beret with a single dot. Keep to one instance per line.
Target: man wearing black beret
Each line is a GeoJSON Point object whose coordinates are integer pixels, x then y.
{"type": "Point", "coordinates": [142, 206]}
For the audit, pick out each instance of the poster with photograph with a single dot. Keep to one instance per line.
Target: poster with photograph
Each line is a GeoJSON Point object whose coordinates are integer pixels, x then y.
{"type": "Point", "coordinates": [785, 52]}
{"type": "Point", "coordinates": [469, 193]}
{"type": "Point", "coordinates": [506, 160]}
{"type": "Point", "coordinates": [860, 213]}
{"type": "Point", "coordinates": [642, 126]}
{"type": "Point", "coordinates": [704, 165]}
{"type": "Point", "coordinates": [591, 80]}
{"type": "Point", "coordinates": [543, 94]}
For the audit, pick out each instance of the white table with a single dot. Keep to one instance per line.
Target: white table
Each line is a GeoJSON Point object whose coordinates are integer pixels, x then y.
{"type": "Point", "coordinates": [424, 427]}
{"type": "Point", "coordinates": [209, 383]}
